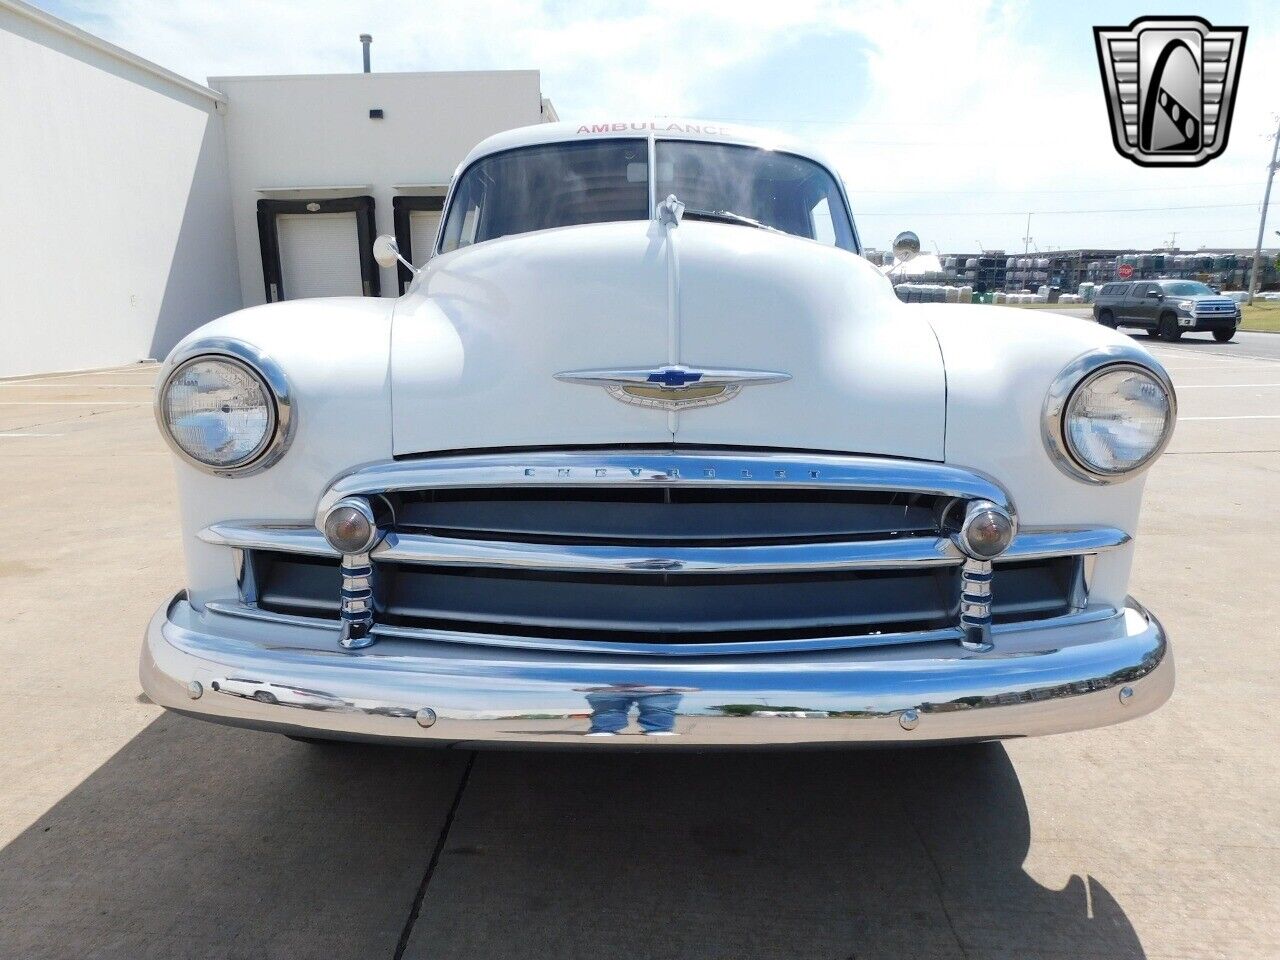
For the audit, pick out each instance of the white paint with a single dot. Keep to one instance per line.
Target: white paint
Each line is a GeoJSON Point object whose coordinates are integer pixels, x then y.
{"type": "Point", "coordinates": [1252, 416]}
{"type": "Point", "coordinates": [316, 130]}
{"type": "Point", "coordinates": [117, 237]}
{"type": "Point", "coordinates": [16, 436]}
{"type": "Point", "coordinates": [343, 398]}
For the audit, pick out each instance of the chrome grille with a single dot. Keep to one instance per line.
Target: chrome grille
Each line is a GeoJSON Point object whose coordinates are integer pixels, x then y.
{"type": "Point", "coordinates": [1214, 308]}
{"type": "Point", "coordinates": [663, 550]}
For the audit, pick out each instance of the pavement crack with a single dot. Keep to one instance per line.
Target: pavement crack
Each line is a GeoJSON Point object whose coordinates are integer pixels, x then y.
{"type": "Point", "coordinates": [939, 887]}
{"type": "Point", "coordinates": [412, 920]}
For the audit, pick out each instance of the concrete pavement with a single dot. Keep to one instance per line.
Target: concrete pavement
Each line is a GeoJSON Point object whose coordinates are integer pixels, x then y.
{"type": "Point", "coordinates": [128, 833]}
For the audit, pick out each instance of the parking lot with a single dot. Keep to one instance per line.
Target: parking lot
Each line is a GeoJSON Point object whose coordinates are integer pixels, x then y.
{"type": "Point", "coordinates": [125, 832]}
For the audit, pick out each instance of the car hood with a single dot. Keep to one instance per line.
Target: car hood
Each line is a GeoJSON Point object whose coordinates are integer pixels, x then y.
{"type": "Point", "coordinates": [480, 338]}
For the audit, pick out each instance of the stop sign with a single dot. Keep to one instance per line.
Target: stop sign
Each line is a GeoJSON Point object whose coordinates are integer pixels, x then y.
{"type": "Point", "coordinates": [1124, 271]}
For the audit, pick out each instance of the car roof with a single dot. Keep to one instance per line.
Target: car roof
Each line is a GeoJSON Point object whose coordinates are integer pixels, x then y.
{"type": "Point", "coordinates": [665, 128]}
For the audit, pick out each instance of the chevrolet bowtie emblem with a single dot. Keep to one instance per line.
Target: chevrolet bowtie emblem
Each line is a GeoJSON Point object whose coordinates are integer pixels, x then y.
{"type": "Point", "coordinates": [674, 386]}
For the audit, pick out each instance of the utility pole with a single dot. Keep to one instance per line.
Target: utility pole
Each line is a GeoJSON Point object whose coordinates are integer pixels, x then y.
{"type": "Point", "coordinates": [1026, 241]}
{"type": "Point", "coordinates": [1262, 220]}
{"type": "Point", "coordinates": [1173, 239]}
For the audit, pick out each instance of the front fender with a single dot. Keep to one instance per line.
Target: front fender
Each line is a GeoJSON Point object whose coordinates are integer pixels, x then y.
{"type": "Point", "coordinates": [334, 354]}
{"type": "Point", "coordinates": [1000, 363]}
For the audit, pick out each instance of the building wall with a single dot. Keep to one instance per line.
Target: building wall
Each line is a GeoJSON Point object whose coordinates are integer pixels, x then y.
{"type": "Point", "coordinates": [315, 132]}
{"type": "Point", "coordinates": [117, 236]}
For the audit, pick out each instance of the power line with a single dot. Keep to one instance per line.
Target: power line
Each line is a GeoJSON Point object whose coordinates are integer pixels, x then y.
{"type": "Point", "coordinates": [1021, 213]}
{"type": "Point", "coordinates": [966, 191]}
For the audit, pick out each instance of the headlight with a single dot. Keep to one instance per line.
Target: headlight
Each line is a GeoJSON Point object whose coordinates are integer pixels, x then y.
{"type": "Point", "coordinates": [225, 408]}
{"type": "Point", "coordinates": [1106, 418]}
{"type": "Point", "coordinates": [1184, 304]}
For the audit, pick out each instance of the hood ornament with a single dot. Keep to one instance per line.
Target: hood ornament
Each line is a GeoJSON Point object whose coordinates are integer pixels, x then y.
{"type": "Point", "coordinates": [674, 386]}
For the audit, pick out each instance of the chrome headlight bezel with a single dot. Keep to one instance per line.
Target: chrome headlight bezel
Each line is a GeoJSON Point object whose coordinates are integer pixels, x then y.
{"type": "Point", "coordinates": [283, 412]}
{"type": "Point", "coordinates": [1078, 374]}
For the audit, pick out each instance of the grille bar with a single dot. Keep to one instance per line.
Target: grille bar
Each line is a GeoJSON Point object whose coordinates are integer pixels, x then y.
{"type": "Point", "coordinates": [669, 468]}
{"type": "Point", "coordinates": [1030, 543]}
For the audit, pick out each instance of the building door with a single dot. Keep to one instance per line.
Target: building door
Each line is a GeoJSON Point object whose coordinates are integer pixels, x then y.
{"type": "Point", "coordinates": [423, 227]}
{"type": "Point", "coordinates": [319, 255]}
{"type": "Point", "coordinates": [417, 220]}
{"type": "Point", "coordinates": [317, 248]}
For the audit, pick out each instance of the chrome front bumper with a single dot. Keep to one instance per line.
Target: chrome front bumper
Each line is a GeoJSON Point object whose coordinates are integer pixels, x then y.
{"type": "Point", "coordinates": [293, 678]}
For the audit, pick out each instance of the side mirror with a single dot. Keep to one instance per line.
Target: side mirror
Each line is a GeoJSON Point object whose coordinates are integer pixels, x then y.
{"type": "Point", "coordinates": [1155, 294]}
{"type": "Point", "coordinates": [905, 246]}
{"type": "Point", "coordinates": [387, 252]}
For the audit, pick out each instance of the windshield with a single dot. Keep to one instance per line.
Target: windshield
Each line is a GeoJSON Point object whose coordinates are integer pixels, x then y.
{"type": "Point", "coordinates": [556, 185]}
{"type": "Point", "coordinates": [1186, 288]}
{"type": "Point", "coordinates": [777, 190]}
{"type": "Point", "coordinates": [563, 184]}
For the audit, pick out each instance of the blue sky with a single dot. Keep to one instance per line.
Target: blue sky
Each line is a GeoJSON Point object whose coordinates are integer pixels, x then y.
{"type": "Point", "coordinates": [953, 119]}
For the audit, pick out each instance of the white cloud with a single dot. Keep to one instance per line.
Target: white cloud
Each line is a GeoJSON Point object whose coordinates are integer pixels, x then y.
{"type": "Point", "coordinates": [975, 105]}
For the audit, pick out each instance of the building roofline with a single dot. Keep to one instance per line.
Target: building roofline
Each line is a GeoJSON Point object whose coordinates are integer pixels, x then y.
{"type": "Point", "coordinates": [59, 26]}
{"type": "Point", "coordinates": [356, 73]}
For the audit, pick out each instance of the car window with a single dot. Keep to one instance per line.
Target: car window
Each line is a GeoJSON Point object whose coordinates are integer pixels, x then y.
{"type": "Point", "coordinates": [777, 190]}
{"type": "Point", "coordinates": [821, 222]}
{"type": "Point", "coordinates": [1187, 288]}
{"type": "Point", "coordinates": [563, 184]}
{"type": "Point", "coordinates": [545, 186]}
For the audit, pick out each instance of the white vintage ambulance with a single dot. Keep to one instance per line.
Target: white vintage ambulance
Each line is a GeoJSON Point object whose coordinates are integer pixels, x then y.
{"type": "Point", "coordinates": [647, 454]}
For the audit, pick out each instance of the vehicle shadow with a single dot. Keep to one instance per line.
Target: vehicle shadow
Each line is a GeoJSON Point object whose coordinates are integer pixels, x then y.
{"type": "Point", "coordinates": [883, 853]}
{"type": "Point", "coordinates": [202, 841]}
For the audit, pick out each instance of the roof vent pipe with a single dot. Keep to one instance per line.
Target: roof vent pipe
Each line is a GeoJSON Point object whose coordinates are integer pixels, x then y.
{"type": "Point", "coordinates": [365, 40]}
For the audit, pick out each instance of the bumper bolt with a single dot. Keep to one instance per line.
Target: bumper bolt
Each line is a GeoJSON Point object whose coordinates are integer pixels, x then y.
{"type": "Point", "coordinates": [425, 717]}
{"type": "Point", "coordinates": [1126, 694]}
{"type": "Point", "coordinates": [909, 719]}
{"type": "Point", "coordinates": [194, 690]}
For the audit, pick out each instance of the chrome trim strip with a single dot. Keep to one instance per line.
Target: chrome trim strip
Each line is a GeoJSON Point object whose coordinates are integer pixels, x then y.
{"type": "Point", "coordinates": [1074, 375]}
{"type": "Point", "coordinates": [285, 414]}
{"type": "Point", "coordinates": [1030, 543]}
{"type": "Point", "coordinates": [454, 696]}
{"type": "Point", "coordinates": [674, 386]}
{"type": "Point", "coordinates": [1089, 615]}
{"type": "Point", "coordinates": [790, 557]}
{"type": "Point", "coordinates": [1035, 543]}
{"type": "Point", "coordinates": [257, 535]}
{"type": "Point", "coordinates": [609, 468]}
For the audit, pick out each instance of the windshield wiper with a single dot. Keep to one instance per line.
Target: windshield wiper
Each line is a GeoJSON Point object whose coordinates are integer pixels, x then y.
{"type": "Point", "coordinates": [726, 216]}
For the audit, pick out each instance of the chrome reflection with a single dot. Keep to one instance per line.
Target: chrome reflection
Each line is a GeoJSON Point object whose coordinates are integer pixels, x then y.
{"type": "Point", "coordinates": [656, 707]}
{"type": "Point", "coordinates": [609, 468]}
{"type": "Point", "coordinates": [1031, 543]}
{"type": "Point", "coordinates": [522, 697]}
